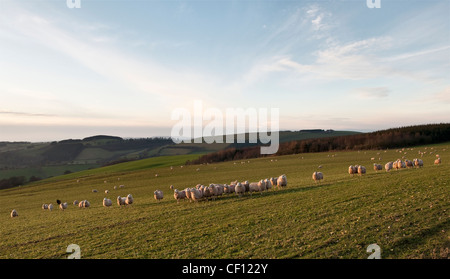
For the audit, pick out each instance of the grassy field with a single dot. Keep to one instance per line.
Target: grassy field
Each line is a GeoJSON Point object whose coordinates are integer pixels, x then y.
{"type": "Point", "coordinates": [405, 212]}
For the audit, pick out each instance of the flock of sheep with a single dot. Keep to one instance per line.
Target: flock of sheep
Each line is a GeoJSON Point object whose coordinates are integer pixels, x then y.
{"type": "Point", "coordinates": [201, 192]}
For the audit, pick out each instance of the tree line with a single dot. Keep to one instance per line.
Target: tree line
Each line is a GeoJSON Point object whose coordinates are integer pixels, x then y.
{"type": "Point", "coordinates": [384, 139]}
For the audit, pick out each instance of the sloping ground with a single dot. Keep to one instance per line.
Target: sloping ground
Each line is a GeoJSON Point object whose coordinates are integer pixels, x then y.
{"type": "Point", "coordinates": [405, 212]}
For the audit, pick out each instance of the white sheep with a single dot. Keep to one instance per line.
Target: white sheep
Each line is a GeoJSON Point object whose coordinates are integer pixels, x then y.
{"type": "Point", "coordinates": [196, 194]}
{"type": "Point", "coordinates": [437, 161]}
{"type": "Point", "coordinates": [317, 176]}
{"type": "Point", "coordinates": [106, 191]}
{"type": "Point", "coordinates": [107, 202]}
{"type": "Point", "coordinates": [388, 166]}
{"type": "Point", "coordinates": [45, 206]}
{"type": "Point", "coordinates": [377, 167]}
{"type": "Point", "coordinates": [129, 199]}
{"type": "Point", "coordinates": [121, 200]}
{"type": "Point", "coordinates": [418, 163]}
{"type": "Point", "coordinates": [158, 195]}
{"type": "Point", "coordinates": [352, 170]}
{"type": "Point", "coordinates": [75, 202]}
{"type": "Point", "coordinates": [273, 181]}
{"type": "Point", "coordinates": [268, 184]}
{"type": "Point", "coordinates": [253, 187]}
{"type": "Point", "coordinates": [282, 181]}
{"type": "Point", "coordinates": [239, 189]}
{"type": "Point", "coordinates": [179, 195]}
{"type": "Point", "coordinates": [50, 207]}
{"type": "Point", "coordinates": [84, 204]}
{"type": "Point", "coordinates": [14, 213]}
{"type": "Point", "coordinates": [361, 170]}
{"type": "Point", "coordinates": [63, 205]}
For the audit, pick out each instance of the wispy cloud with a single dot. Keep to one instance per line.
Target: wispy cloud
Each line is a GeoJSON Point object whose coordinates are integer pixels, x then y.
{"type": "Point", "coordinates": [371, 92]}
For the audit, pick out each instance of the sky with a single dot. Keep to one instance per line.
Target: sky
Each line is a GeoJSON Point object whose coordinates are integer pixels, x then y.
{"type": "Point", "coordinates": [121, 67]}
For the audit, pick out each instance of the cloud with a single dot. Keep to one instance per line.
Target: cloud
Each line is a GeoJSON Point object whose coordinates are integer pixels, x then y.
{"type": "Point", "coordinates": [371, 92]}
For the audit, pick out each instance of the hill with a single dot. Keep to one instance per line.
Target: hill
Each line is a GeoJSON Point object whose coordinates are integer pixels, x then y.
{"type": "Point", "coordinates": [404, 212]}
{"type": "Point", "coordinates": [21, 162]}
{"type": "Point", "coordinates": [383, 139]}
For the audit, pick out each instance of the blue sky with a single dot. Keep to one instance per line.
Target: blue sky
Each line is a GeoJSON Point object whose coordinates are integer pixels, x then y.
{"type": "Point", "coordinates": [121, 67]}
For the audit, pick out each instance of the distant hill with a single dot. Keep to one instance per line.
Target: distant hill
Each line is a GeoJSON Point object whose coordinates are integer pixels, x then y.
{"type": "Point", "coordinates": [390, 138]}
{"type": "Point", "coordinates": [24, 161]}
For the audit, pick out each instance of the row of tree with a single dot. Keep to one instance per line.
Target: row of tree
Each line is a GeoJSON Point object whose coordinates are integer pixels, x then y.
{"type": "Point", "coordinates": [384, 139]}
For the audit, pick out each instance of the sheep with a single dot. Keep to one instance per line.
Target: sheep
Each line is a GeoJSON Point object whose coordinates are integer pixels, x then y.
{"type": "Point", "coordinates": [317, 176]}
{"type": "Point", "coordinates": [273, 181]}
{"type": "Point", "coordinates": [262, 186]}
{"type": "Point", "coordinates": [179, 195]}
{"type": "Point", "coordinates": [62, 205]}
{"type": "Point", "coordinates": [418, 163]}
{"type": "Point", "coordinates": [352, 170]}
{"type": "Point", "coordinates": [129, 199]}
{"type": "Point", "coordinates": [14, 213]}
{"type": "Point", "coordinates": [254, 187]}
{"type": "Point", "coordinates": [50, 207]}
{"type": "Point", "coordinates": [171, 187]}
{"type": "Point", "coordinates": [158, 195]}
{"type": "Point", "coordinates": [94, 191]}
{"type": "Point", "coordinates": [282, 181]}
{"type": "Point", "coordinates": [106, 191]}
{"type": "Point", "coordinates": [121, 186]}
{"type": "Point", "coordinates": [196, 194]}
{"type": "Point", "coordinates": [377, 167]}
{"type": "Point", "coordinates": [268, 184]}
{"type": "Point", "coordinates": [361, 170]}
{"type": "Point", "coordinates": [84, 204]}
{"type": "Point", "coordinates": [437, 161]}
{"type": "Point", "coordinates": [388, 166]}
{"type": "Point", "coordinates": [107, 202]}
{"type": "Point", "coordinates": [45, 206]}
{"type": "Point", "coordinates": [75, 202]}
{"type": "Point", "coordinates": [115, 187]}
{"type": "Point", "coordinates": [240, 189]}
{"type": "Point", "coordinates": [121, 200]}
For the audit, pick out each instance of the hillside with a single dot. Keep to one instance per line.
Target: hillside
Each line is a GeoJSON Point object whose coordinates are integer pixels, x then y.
{"type": "Point", "coordinates": [378, 140]}
{"type": "Point", "coordinates": [21, 162]}
{"type": "Point", "coordinates": [404, 212]}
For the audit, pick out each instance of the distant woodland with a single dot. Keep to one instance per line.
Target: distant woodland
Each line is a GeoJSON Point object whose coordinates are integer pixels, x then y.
{"type": "Point", "coordinates": [384, 139]}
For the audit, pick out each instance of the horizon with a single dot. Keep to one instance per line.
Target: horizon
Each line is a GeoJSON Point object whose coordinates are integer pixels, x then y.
{"type": "Point", "coordinates": [121, 67]}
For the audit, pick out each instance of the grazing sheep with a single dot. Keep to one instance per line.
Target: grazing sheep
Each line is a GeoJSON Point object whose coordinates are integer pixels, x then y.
{"type": "Point", "coordinates": [361, 170]}
{"type": "Point", "coordinates": [254, 187]}
{"type": "Point", "coordinates": [106, 191]}
{"type": "Point", "coordinates": [240, 189]}
{"type": "Point", "coordinates": [107, 202]}
{"type": "Point", "coordinates": [14, 213]}
{"type": "Point", "coordinates": [115, 187]}
{"type": "Point", "coordinates": [437, 161]}
{"type": "Point", "coordinates": [273, 181]}
{"type": "Point", "coordinates": [196, 194]}
{"type": "Point", "coordinates": [62, 205]}
{"type": "Point", "coordinates": [268, 184]}
{"type": "Point", "coordinates": [317, 176]}
{"type": "Point", "coordinates": [129, 199]}
{"type": "Point", "coordinates": [262, 186]}
{"type": "Point", "coordinates": [84, 204]}
{"type": "Point", "coordinates": [121, 200]}
{"type": "Point", "coordinates": [171, 187]}
{"type": "Point", "coordinates": [94, 191]}
{"type": "Point", "coordinates": [75, 202]}
{"type": "Point", "coordinates": [50, 207]}
{"type": "Point", "coordinates": [282, 181]}
{"type": "Point", "coordinates": [389, 166]}
{"type": "Point", "coordinates": [158, 195]}
{"type": "Point", "coordinates": [121, 186]}
{"type": "Point", "coordinates": [179, 195]}
{"type": "Point", "coordinates": [246, 184]}
{"type": "Point", "coordinates": [377, 167]}
{"type": "Point", "coordinates": [352, 170]}
{"type": "Point", "coordinates": [409, 164]}
{"type": "Point", "coordinates": [418, 163]}
{"type": "Point", "coordinates": [45, 206]}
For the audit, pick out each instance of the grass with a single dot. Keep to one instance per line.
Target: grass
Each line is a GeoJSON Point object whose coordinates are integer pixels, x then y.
{"type": "Point", "coordinates": [405, 212]}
